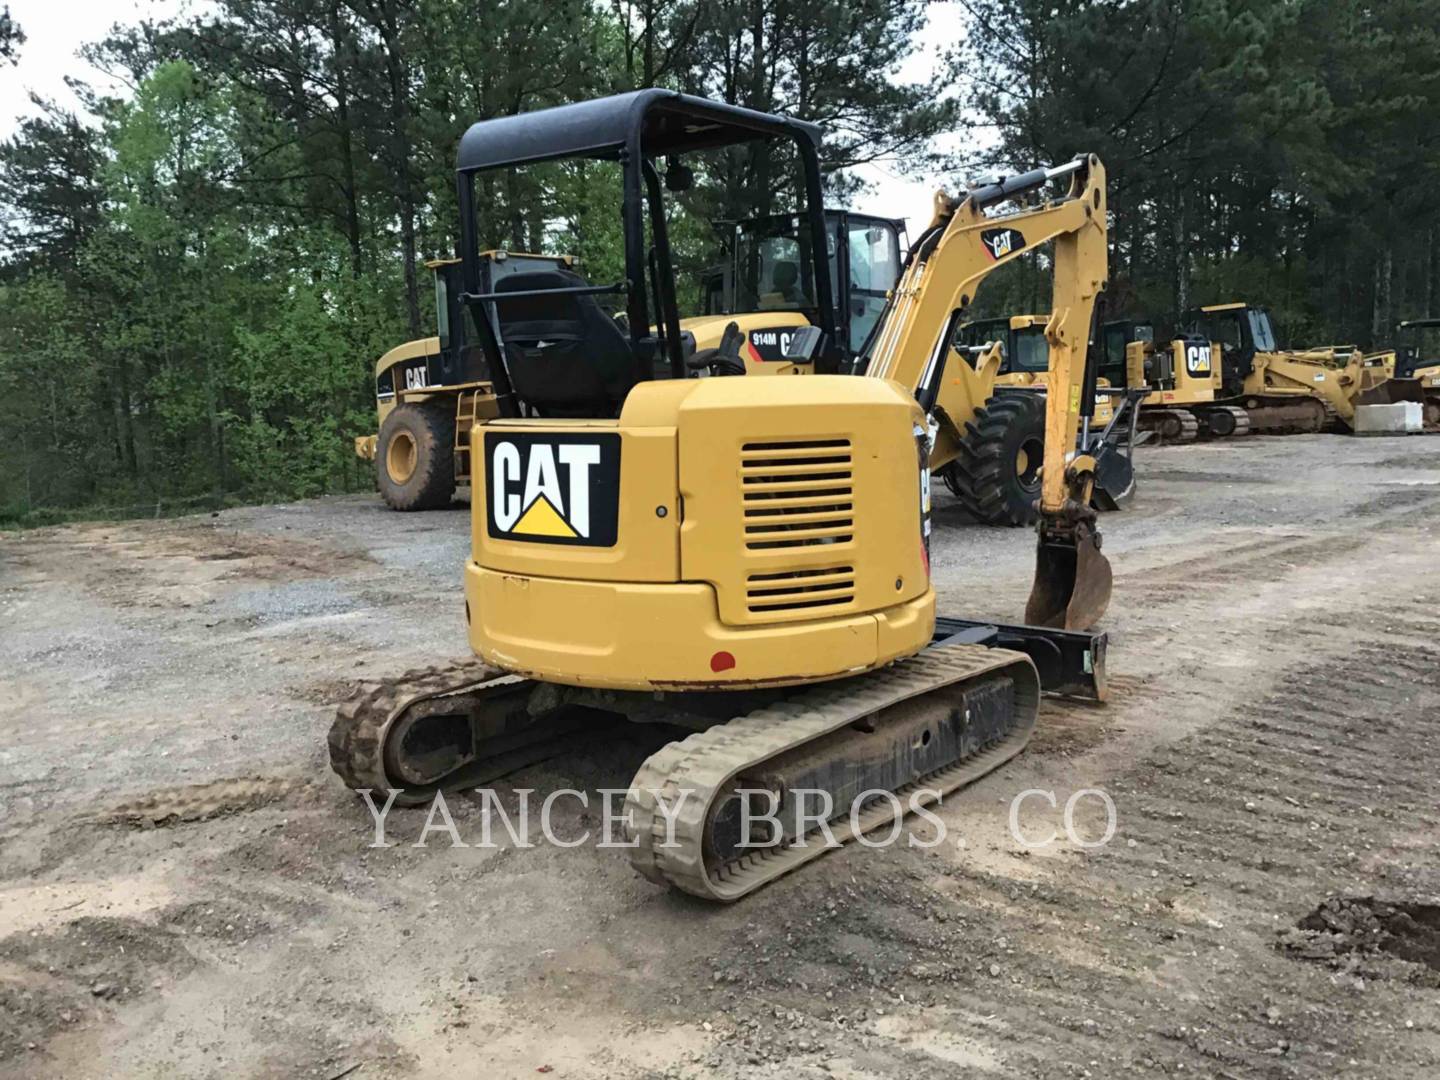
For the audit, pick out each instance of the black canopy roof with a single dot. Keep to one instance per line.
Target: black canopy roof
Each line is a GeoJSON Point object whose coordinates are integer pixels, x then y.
{"type": "Point", "coordinates": [667, 121]}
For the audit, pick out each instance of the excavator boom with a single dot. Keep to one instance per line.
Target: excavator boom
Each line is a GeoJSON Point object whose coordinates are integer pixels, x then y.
{"type": "Point", "coordinates": [950, 260]}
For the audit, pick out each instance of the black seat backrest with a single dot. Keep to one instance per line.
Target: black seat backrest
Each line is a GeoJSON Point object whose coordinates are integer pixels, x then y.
{"type": "Point", "coordinates": [566, 356]}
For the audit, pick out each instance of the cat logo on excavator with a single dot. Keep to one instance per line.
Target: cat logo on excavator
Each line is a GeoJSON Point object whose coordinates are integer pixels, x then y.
{"type": "Point", "coordinates": [1001, 242]}
{"type": "Point", "coordinates": [553, 488]}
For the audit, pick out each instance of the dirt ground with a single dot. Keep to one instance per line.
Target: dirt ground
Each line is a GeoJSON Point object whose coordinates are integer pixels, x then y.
{"type": "Point", "coordinates": [185, 890]}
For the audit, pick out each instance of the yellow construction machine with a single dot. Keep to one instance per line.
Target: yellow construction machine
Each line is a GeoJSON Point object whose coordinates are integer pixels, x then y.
{"type": "Point", "coordinates": [1414, 361]}
{"type": "Point", "coordinates": [744, 559]}
{"type": "Point", "coordinates": [1181, 374]}
{"type": "Point", "coordinates": [766, 287]}
{"type": "Point", "coordinates": [429, 391]}
{"type": "Point", "coordinates": [1268, 390]}
{"type": "Point", "coordinates": [993, 484]}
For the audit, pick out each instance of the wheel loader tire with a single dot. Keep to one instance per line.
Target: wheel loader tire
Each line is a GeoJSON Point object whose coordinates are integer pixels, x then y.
{"type": "Point", "coordinates": [996, 475]}
{"type": "Point", "coordinates": [415, 459]}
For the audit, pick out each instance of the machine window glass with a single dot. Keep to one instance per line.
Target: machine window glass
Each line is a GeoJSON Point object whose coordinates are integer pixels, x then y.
{"type": "Point", "coordinates": [1115, 342]}
{"type": "Point", "coordinates": [774, 264]}
{"type": "Point", "coordinates": [442, 310]}
{"type": "Point", "coordinates": [1261, 331]}
{"type": "Point", "coordinates": [972, 337]}
{"type": "Point", "coordinates": [874, 257]}
{"type": "Point", "coordinates": [874, 266]}
{"type": "Point", "coordinates": [1222, 328]}
{"type": "Point", "coordinates": [1032, 352]}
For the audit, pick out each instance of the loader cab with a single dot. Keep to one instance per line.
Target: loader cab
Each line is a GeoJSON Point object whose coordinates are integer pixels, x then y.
{"type": "Point", "coordinates": [1116, 337]}
{"type": "Point", "coordinates": [769, 257]}
{"type": "Point", "coordinates": [1023, 347]}
{"type": "Point", "coordinates": [1417, 347]}
{"type": "Point", "coordinates": [559, 350]}
{"type": "Point", "coordinates": [1241, 331]}
{"type": "Point", "coordinates": [453, 357]}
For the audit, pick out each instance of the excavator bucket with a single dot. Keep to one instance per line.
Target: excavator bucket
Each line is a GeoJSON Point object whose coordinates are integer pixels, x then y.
{"type": "Point", "coordinates": [1072, 580]}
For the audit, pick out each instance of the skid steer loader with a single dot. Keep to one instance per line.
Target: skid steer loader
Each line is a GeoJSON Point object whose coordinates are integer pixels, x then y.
{"type": "Point", "coordinates": [743, 558]}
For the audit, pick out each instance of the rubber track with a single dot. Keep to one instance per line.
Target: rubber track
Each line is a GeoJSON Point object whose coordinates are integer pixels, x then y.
{"type": "Point", "coordinates": [358, 732]}
{"type": "Point", "coordinates": [707, 761]}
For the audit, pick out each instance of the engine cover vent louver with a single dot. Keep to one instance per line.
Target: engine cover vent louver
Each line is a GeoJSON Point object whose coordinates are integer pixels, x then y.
{"type": "Point", "coordinates": [797, 494]}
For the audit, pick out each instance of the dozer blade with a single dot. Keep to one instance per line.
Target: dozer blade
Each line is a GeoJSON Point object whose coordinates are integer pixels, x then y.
{"type": "Point", "coordinates": [1072, 580]}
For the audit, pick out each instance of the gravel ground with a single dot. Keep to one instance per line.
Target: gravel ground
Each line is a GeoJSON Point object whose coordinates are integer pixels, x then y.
{"type": "Point", "coordinates": [186, 891]}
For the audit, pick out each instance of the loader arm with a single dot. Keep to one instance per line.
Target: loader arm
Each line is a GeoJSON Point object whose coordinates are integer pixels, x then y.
{"type": "Point", "coordinates": [912, 346]}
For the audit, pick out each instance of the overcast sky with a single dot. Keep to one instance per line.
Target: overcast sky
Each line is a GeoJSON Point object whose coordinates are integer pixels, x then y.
{"type": "Point", "coordinates": [55, 30]}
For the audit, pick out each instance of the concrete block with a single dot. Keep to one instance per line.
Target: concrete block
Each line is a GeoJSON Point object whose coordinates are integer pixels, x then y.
{"type": "Point", "coordinates": [1399, 418]}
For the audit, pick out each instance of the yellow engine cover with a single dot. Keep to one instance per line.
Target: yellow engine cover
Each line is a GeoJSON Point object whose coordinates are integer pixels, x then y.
{"type": "Point", "coordinates": [724, 532]}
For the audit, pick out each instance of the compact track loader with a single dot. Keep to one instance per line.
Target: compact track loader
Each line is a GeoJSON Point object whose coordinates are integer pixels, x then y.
{"type": "Point", "coordinates": [743, 558]}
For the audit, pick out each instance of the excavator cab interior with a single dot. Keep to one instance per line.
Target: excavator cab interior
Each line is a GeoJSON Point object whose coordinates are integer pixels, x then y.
{"type": "Point", "coordinates": [563, 354]}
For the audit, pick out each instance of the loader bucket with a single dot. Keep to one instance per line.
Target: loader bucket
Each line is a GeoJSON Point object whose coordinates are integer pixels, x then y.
{"type": "Point", "coordinates": [1391, 392]}
{"type": "Point", "coordinates": [1072, 580]}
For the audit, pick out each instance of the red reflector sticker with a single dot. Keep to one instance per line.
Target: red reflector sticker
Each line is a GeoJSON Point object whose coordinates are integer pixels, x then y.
{"type": "Point", "coordinates": [722, 661]}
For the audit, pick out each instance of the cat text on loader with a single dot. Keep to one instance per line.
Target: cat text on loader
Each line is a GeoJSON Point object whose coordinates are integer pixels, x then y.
{"type": "Point", "coordinates": [743, 559]}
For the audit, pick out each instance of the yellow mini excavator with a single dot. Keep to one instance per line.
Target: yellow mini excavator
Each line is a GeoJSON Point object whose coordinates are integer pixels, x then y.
{"type": "Point", "coordinates": [743, 558]}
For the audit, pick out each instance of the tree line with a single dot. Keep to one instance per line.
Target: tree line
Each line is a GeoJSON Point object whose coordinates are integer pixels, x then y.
{"type": "Point", "coordinates": [197, 275]}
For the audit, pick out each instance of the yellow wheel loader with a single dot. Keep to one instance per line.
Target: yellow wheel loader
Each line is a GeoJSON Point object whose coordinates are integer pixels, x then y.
{"type": "Point", "coordinates": [765, 285]}
{"type": "Point", "coordinates": [744, 559]}
{"type": "Point", "coordinates": [429, 391]}
{"type": "Point", "coordinates": [996, 473]}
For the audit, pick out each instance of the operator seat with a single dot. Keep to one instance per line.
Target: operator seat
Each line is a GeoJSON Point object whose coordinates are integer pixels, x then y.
{"type": "Point", "coordinates": [785, 277]}
{"type": "Point", "coordinates": [566, 356]}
